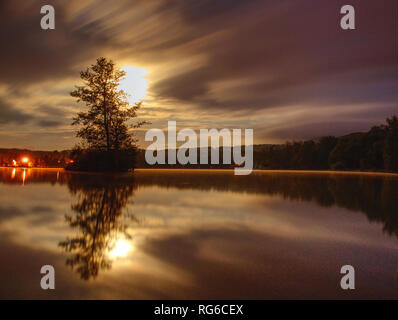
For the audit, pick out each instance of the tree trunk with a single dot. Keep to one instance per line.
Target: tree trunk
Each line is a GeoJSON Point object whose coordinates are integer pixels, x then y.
{"type": "Point", "coordinates": [108, 147]}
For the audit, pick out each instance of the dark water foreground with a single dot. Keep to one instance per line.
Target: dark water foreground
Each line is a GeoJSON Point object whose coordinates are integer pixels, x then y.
{"type": "Point", "coordinates": [197, 234]}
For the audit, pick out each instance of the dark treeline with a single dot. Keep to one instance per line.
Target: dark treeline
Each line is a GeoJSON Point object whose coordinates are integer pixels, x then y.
{"type": "Point", "coordinates": [375, 150]}
{"type": "Point", "coordinates": [41, 159]}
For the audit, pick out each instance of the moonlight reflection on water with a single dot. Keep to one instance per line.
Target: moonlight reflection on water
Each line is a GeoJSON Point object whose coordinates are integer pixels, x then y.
{"type": "Point", "coordinates": [198, 234]}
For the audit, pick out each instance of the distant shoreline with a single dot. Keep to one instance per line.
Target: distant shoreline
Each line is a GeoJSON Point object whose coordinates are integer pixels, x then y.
{"type": "Point", "coordinates": [321, 172]}
{"type": "Point", "coordinates": [370, 173]}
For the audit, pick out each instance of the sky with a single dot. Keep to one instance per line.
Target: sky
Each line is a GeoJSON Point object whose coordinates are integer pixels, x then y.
{"type": "Point", "coordinates": [284, 68]}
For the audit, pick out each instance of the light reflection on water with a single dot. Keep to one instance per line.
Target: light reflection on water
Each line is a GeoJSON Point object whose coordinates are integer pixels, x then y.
{"type": "Point", "coordinates": [197, 234]}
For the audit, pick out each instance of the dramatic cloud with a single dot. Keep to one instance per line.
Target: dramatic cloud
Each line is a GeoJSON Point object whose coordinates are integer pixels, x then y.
{"type": "Point", "coordinates": [9, 114]}
{"type": "Point", "coordinates": [49, 123]}
{"type": "Point", "coordinates": [284, 68]}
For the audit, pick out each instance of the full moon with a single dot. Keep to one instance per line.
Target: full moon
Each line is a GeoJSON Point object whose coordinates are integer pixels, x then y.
{"type": "Point", "coordinates": [121, 249]}
{"type": "Point", "coordinates": [135, 84]}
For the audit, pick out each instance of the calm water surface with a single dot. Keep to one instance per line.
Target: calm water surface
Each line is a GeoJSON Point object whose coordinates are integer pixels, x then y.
{"type": "Point", "coordinates": [197, 234]}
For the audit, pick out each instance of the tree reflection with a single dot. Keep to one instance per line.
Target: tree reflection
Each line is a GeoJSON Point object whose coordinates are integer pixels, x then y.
{"type": "Point", "coordinates": [97, 220]}
{"type": "Point", "coordinates": [375, 196]}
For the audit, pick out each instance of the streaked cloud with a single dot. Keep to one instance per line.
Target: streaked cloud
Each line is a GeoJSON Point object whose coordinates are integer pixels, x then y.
{"type": "Point", "coordinates": [284, 68]}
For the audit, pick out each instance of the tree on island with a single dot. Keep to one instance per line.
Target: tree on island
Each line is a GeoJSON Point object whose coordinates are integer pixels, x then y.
{"type": "Point", "coordinates": [107, 144]}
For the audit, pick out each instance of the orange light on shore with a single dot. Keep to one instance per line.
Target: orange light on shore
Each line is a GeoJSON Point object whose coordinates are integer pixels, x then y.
{"type": "Point", "coordinates": [23, 177]}
{"type": "Point", "coordinates": [25, 160]}
{"type": "Point", "coordinates": [14, 163]}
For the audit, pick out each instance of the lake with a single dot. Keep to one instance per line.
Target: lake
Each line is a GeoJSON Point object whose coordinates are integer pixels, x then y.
{"type": "Point", "coordinates": [197, 234]}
